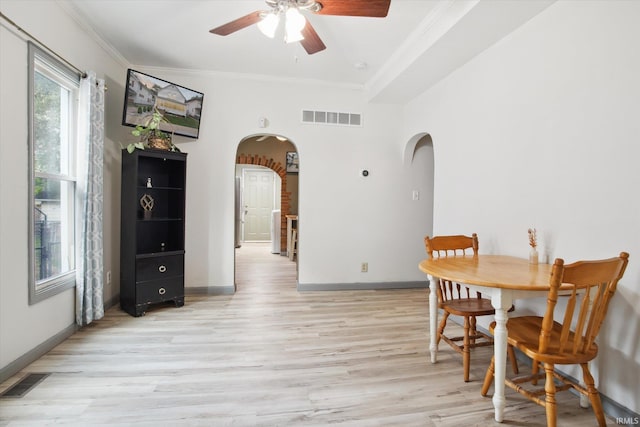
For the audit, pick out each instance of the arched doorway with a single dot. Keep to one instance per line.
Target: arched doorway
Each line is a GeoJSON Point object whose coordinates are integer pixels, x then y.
{"type": "Point", "coordinates": [419, 158]}
{"type": "Point", "coordinates": [270, 151]}
{"type": "Point", "coordinates": [258, 154]}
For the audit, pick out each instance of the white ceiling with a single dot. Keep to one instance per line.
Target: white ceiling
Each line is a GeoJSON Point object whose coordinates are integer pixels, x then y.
{"type": "Point", "coordinates": [419, 42]}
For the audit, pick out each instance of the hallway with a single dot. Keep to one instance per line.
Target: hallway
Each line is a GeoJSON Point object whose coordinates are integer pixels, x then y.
{"type": "Point", "coordinates": [257, 269]}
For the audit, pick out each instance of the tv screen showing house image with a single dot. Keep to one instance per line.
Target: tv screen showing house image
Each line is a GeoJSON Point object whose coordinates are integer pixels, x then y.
{"type": "Point", "coordinates": [181, 107]}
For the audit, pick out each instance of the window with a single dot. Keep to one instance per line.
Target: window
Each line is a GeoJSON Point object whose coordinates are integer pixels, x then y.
{"type": "Point", "coordinates": [53, 99]}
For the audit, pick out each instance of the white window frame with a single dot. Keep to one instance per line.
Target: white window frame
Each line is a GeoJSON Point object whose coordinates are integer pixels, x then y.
{"type": "Point", "coordinates": [43, 63]}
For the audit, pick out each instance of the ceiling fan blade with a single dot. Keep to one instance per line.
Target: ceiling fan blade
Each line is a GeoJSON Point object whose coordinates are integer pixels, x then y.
{"type": "Point", "coordinates": [311, 42]}
{"type": "Point", "coordinates": [238, 24]}
{"type": "Point", "coordinates": [372, 8]}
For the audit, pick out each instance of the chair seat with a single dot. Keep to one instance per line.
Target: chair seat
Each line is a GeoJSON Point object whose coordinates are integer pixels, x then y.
{"type": "Point", "coordinates": [468, 307]}
{"type": "Point", "coordinates": [524, 334]}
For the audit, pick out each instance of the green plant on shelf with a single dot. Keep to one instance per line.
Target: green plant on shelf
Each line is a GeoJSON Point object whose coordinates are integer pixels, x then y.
{"type": "Point", "coordinates": [151, 136]}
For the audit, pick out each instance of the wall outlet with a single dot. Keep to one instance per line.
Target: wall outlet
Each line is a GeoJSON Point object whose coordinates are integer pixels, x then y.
{"type": "Point", "coordinates": [108, 277]}
{"type": "Point", "coordinates": [364, 267]}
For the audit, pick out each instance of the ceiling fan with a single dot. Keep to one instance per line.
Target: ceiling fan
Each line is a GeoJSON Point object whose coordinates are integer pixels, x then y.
{"type": "Point", "coordinates": [297, 27]}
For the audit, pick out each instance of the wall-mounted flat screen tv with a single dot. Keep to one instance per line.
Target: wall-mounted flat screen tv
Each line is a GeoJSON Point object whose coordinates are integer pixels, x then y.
{"type": "Point", "coordinates": [180, 106]}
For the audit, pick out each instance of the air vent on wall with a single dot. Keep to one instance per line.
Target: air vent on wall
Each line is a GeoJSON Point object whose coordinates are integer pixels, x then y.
{"type": "Point", "coordinates": [331, 118]}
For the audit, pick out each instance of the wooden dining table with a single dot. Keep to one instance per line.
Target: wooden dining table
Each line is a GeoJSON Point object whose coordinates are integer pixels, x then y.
{"type": "Point", "coordinates": [504, 279]}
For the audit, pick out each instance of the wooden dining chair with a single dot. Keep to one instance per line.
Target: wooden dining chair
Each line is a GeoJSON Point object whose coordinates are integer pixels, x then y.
{"type": "Point", "coordinates": [457, 299]}
{"type": "Point", "coordinates": [564, 338]}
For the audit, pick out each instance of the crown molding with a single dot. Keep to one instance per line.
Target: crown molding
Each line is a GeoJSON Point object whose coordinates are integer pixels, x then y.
{"type": "Point", "coordinates": [254, 77]}
{"type": "Point", "coordinates": [92, 33]}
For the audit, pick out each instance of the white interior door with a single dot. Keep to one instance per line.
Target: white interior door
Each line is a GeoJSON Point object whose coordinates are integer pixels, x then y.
{"type": "Point", "coordinates": [258, 199]}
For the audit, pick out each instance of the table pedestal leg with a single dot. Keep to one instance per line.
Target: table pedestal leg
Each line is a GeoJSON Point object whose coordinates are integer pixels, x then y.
{"type": "Point", "coordinates": [433, 317]}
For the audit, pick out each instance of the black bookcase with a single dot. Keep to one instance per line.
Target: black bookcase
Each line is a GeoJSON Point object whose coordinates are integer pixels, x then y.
{"type": "Point", "coordinates": [152, 243]}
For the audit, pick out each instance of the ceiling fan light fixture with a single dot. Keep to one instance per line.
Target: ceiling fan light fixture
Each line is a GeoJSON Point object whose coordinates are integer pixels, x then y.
{"type": "Point", "coordinates": [269, 24]}
{"type": "Point", "coordinates": [295, 20]}
{"type": "Point", "coordinates": [294, 25]}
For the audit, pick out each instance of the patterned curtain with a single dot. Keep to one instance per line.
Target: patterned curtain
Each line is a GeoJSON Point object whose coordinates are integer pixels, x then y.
{"type": "Point", "coordinates": [89, 268]}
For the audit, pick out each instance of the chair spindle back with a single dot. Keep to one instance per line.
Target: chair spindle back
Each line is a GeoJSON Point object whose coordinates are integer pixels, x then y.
{"type": "Point", "coordinates": [445, 246]}
{"type": "Point", "coordinates": [591, 284]}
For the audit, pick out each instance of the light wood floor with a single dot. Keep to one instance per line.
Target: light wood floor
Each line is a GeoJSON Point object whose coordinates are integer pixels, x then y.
{"type": "Point", "coordinates": [267, 356]}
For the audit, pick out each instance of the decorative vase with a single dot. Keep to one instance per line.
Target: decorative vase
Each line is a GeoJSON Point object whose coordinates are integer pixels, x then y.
{"type": "Point", "coordinates": [533, 256]}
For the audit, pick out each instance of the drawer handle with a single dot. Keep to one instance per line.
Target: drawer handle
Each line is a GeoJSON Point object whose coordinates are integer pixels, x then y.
{"type": "Point", "coordinates": [162, 269]}
{"type": "Point", "coordinates": [162, 291]}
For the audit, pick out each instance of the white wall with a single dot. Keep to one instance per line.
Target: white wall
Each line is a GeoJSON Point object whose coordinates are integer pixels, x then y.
{"type": "Point", "coordinates": [344, 219]}
{"type": "Point", "coordinates": [546, 123]}
{"type": "Point", "coordinates": [24, 327]}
